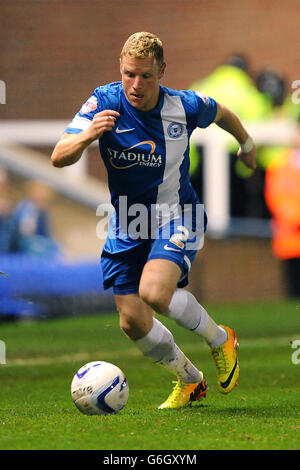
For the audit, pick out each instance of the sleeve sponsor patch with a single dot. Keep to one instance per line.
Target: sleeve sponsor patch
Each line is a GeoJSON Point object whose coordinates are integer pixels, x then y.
{"type": "Point", "coordinates": [204, 98]}
{"type": "Point", "coordinates": [90, 105]}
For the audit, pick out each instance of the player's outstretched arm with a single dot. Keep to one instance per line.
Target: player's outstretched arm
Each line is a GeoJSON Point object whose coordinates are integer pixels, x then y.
{"type": "Point", "coordinates": [229, 121]}
{"type": "Point", "coordinates": [70, 147]}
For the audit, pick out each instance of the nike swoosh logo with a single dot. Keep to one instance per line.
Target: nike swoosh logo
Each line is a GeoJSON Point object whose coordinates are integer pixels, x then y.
{"type": "Point", "coordinates": [120, 131]}
{"type": "Point", "coordinates": [166, 247]}
{"type": "Point", "coordinates": [227, 382]}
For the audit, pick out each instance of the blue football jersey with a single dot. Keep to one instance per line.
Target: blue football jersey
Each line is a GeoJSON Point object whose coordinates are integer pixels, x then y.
{"type": "Point", "coordinates": [147, 152]}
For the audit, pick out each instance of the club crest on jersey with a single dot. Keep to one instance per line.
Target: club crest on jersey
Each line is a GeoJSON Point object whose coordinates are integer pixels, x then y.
{"type": "Point", "coordinates": [175, 130]}
{"type": "Point", "coordinates": [90, 105]}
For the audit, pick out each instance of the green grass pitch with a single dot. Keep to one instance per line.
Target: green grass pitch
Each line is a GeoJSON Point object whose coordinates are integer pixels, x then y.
{"type": "Point", "coordinates": [37, 412]}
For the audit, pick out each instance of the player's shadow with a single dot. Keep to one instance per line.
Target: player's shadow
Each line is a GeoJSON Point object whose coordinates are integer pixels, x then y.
{"type": "Point", "coordinates": [251, 411]}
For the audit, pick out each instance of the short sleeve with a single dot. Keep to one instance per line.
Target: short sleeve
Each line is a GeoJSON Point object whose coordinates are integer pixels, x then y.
{"type": "Point", "coordinates": [207, 110]}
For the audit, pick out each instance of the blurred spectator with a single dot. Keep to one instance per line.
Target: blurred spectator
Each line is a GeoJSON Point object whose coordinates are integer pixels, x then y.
{"type": "Point", "coordinates": [231, 84]}
{"type": "Point", "coordinates": [5, 214]}
{"type": "Point", "coordinates": [272, 84]}
{"type": "Point", "coordinates": [282, 192]}
{"type": "Point", "coordinates": [282, 183]}
{"type": "Point", "coordinates": [31, 224]}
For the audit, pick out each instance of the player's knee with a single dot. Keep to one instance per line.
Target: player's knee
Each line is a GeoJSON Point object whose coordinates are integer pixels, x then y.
{"type": "Point", "coordinates": [156, 296]}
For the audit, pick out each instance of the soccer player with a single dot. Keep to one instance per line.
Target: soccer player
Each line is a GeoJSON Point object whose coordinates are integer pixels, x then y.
{"type": "Point", "coordinates": [143, 130]}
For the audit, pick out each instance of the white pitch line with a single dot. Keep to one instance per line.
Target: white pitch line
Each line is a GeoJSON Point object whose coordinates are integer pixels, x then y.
{"type": "Point", "coordinates": [132, 352]}
{"type": "Point", "coordinates": [84, 356]}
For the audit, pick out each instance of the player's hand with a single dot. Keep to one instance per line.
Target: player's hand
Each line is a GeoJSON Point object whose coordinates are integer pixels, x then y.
{"type": "Point", "coordinates": [102, 122]}
{"type": "Point", "coordinates": [248, 158]}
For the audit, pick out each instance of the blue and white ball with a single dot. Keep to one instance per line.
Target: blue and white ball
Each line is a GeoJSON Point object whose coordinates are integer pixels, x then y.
{"type": "Point", "coordinates": [99, 388]}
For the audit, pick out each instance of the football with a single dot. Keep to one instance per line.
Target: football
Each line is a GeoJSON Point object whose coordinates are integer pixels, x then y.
{"type": "Point", "coordinates": [99, 388]}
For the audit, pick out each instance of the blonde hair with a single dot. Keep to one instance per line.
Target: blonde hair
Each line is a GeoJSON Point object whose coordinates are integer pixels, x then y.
{"type": "Point", "coordinates": [141, 45]}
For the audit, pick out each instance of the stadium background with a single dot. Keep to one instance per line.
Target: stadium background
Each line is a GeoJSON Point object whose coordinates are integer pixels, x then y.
{"type": "Point", "coordinates": [54, 53]}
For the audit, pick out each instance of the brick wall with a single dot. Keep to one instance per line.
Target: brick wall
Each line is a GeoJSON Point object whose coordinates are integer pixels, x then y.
{"type": "Point", "coordinates": [54, 52]}
{"type": "Point", "coordinates": [240, 269]}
